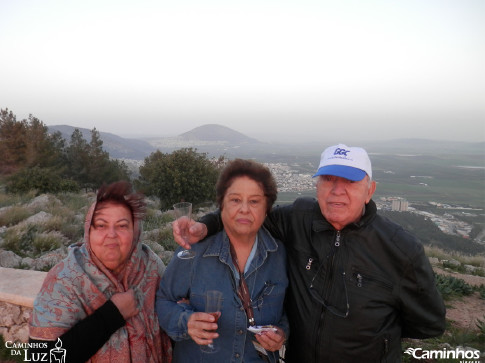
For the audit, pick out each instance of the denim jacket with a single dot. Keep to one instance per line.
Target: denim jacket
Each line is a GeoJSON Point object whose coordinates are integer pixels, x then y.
{"type": "Point", "coordinates": [213, 269]}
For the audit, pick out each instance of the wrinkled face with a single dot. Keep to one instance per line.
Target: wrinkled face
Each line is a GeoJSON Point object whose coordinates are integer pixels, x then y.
{"type": "Point", "coordinates": [341, 200]}
{"type": "Point", "coordinates": [243, 208]}
{"type": "Point", "coordinates": [111, 234]}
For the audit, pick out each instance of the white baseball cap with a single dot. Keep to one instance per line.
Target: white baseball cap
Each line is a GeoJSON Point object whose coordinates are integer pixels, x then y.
{"type": "Point", "coordinates": [351, 163]}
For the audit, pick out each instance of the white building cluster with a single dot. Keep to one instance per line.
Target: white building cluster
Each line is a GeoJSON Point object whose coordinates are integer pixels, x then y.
{"type": "Point", "coordinates": [290, 180]}
{"type": "Point", "coordinates": [447, 222]}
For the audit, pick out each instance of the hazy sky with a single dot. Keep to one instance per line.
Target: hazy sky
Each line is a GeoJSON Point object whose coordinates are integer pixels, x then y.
{"type": "Point", "coordinates": [351, 69]}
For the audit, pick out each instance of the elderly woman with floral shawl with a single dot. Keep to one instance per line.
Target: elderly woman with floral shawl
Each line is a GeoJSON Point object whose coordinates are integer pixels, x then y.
{"type": "Point", "coordinates": [98, 304]}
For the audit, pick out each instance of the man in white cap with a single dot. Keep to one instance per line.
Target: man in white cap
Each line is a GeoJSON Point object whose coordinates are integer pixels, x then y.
{"type": "Point", "coordinates": [358, 282]}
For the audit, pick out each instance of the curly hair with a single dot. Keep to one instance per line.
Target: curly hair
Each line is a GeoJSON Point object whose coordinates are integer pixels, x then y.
{"type": "Point", "coordinates": [253, 170]}
{"type": "Point", "coordinates": [121, 192]}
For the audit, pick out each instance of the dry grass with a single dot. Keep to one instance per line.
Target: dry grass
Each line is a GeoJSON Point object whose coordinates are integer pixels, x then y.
{"type": "Point", "coordinates": [11, 216]}
{"type": "Point", "coordinates": [477, 261]}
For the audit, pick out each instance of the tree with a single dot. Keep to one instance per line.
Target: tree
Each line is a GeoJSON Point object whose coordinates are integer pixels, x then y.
{"type": "Point", "coordinates": [12, 142]}
{"type": "Point", "coordinates": [183, 175]}
{"type": "Point", "coordinates": [32, 158]}
{"type": "Point", "coordinates": [90, 165]}
{"type": "Point", "coordinates": [101, 168]}
{"type": "Point", "coordinates": [78, 158]}
{"type": "Point", "coordinates": [98, 161]}
{"type": "Point", "coordinates": [42, 149]}
{"type": "Point", "coordinates": [117, 170]}
{"type": "Point", "coordinates": [28, 144]}
{"type": "Point", "coordinates": [41, 180]}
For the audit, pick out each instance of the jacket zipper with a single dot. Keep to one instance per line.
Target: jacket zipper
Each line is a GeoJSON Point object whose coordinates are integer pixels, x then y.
{"type": "Point", "coordinates": [329, 280]}
{"type": "Point", "coordinates": [386, 349]}
{"type": "Point", "coordinates": [328, 283]}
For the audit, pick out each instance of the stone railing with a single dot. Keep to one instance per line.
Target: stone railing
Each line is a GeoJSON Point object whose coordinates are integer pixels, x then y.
{"type": "Point", "coordinates": [18, 289]}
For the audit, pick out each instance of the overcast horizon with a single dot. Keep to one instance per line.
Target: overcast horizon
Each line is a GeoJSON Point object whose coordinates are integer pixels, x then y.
{"type": "Point", "coordinates": [288, 70]}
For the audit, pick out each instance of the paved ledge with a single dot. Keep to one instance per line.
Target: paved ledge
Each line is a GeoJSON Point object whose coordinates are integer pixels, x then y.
{"type": "Point", "coordinates": [20, 287]}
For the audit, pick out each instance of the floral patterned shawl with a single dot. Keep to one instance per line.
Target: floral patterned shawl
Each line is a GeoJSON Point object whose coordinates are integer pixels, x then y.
{"type": "Point", "coordinates": [80, 284]}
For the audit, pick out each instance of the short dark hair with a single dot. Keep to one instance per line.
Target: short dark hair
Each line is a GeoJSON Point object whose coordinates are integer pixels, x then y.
{"type": "Point", "coordinates": [121, 192]}
{"type": "Point", "coordinates": [253, 170]}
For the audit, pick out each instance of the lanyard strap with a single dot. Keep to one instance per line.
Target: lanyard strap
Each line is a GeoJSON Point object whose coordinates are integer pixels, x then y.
{"type": "Point", "coordinates": [242, 290]}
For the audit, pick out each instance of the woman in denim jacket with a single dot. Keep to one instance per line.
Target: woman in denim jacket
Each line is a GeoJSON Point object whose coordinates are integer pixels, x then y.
{"type": "Point", "coordinates": [246, 191]}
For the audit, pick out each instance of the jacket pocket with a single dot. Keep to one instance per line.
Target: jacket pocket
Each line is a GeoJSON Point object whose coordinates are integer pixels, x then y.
{"type": "Point", "coordinates": [371, 299]}
{"type": "Point", "coordinates": [363, 279]}
{"type": "Point", "coordinates": [268, 304]}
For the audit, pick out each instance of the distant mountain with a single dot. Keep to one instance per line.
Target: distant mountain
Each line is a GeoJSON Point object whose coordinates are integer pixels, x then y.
{"type": "Point", "coordinates": [217, 140]}
{"type": "Point", "coordinates": [217, 133]}
{"type": "Point", "coordinates": [213, 139]}
{"type": "Point", "coordinates": [117, 147]}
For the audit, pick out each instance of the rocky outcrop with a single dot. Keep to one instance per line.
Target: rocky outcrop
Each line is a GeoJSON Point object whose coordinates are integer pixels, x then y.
{"type": "Point", "coordinates": [43, 263]}
{"type": "Point", "coordinates": [14, 322]}
{"type": "Point", "coordinates": [9, 259]}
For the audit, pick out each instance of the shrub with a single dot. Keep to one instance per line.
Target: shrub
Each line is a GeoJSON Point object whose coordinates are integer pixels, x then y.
{"type": "Point", "coordinates": [183, 175]}
{"type": "Point", "coordinates": [30, 242]}
{"type": "Point", "coordinates": [155, 219]}
{"type": "Point", "coordinates": [20, 241]}
{"type": "Point", "coordinates": [42, 180]}
{"type": "Point", "coordinates": [11, 199]}
{"type": "Point", "coordinates": [13, 215]}
{"type": "Point", "coordinates": [66, 224]}
{"type": "Point", "coordinates": [42, 243]}
{"type": "Point", "coordinates": [75, 201]}
{"type": "Point", "coordinates": [481, 291]}
{"type": "Point", "coordinates": [450, 286]}
{"type": "Point", "coordinates": [479, 272]}
{"type": "Point", "coordinates": [458, 268]}
{"type": "Point", "coordinates": [165, 239]}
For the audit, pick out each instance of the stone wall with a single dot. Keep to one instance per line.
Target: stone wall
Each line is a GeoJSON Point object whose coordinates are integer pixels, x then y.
{"type": "Point", "coordinates": [18, 289]}
{"type": "Point", "coordinates": [14, 322]}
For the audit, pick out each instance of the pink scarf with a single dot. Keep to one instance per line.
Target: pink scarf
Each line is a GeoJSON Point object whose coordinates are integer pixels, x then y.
{"type": "Point", "coordinates": [80, 284]}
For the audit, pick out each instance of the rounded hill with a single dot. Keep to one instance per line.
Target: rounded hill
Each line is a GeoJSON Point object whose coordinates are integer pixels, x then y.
{"type": "Point", "coordinates": [214, 132]}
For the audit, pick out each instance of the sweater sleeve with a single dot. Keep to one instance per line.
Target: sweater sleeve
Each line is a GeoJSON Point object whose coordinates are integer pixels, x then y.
{"type": "Point", "coordinates": [87, 336]}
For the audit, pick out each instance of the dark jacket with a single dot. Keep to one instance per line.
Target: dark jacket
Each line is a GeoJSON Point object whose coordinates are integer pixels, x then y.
{"type": "Point", "coordinates": [373, 270]}
{"type": "Point", "coordinates": [372, 286]}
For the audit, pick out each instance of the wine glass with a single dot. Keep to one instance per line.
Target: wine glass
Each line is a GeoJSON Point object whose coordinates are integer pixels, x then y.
{"type": "Point", "coordinates": [213, 304]}
{"type": "Point", "coordinates": [183, 212]}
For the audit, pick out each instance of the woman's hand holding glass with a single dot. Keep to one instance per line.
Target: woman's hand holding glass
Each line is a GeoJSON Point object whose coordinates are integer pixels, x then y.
{"type": "Point", "coordinates": [202, 328]}
{"type": "Point", "coordinates": [196, 232]}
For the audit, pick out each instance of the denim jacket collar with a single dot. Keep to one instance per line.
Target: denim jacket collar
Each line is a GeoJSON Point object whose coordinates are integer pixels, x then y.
{"type": "Point", "coordinates": [221, 247]}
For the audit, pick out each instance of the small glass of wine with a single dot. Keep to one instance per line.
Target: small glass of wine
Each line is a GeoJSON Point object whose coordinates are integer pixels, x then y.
{"type": "Point", "coordinates": [183, 213]}
{"type": "Point", "coordinates": [213, 304]}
